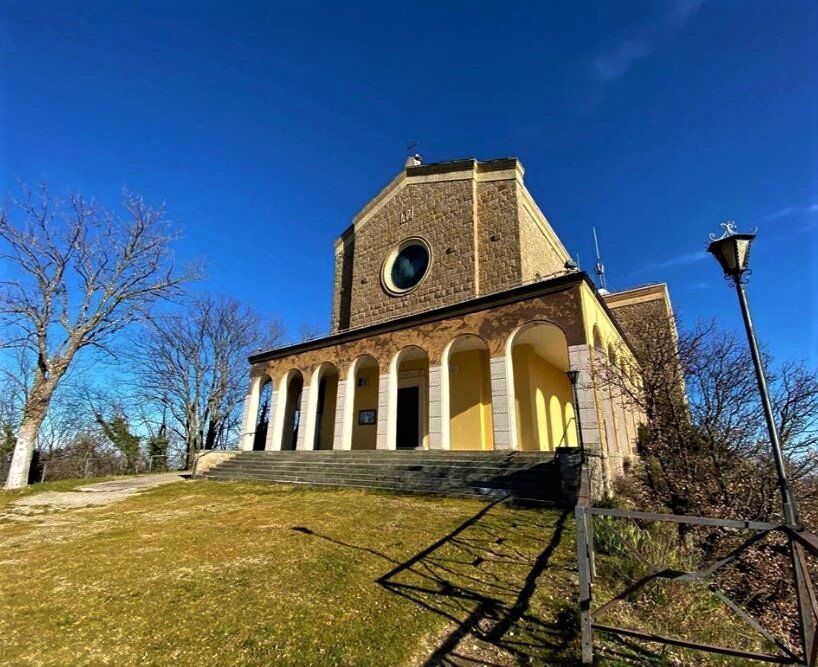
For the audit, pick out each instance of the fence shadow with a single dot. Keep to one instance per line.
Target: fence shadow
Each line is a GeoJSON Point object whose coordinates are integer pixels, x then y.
{"type": "Point", "coordinates": [483, 577]}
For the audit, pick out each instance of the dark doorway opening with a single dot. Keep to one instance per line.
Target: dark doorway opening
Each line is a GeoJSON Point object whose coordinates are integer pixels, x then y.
{"type": "Point", "coordinates": [263, 419]}
{"type": "Point", "coordinates": [408, 430]}
{"type": "Point", "coordinates": [292, 413]}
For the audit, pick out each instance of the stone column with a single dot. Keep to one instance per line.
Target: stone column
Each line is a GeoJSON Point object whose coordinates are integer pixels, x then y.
{"type": "Point", "coordinates": [309, 418]}
{"type": "Point", "coordinates": [350, 390]}
{"type": "Point", "coordinates": [500, 402]}
{"type": "Point", "coordinates": [622, 426]}
{"type": "Point", "coordinates": [269, 442]}
{"type": "Point", "coordinates": [579, 357]}
{"type": "Point", "coordinates": [301, 442]}
{"type": "Point", "coordinates": [250, 414]}
{"type": "Point", "coordinates": [387, 415]}
{"type": "Point", "coordinates": [436, 412]}
{"type": "Point", "coordinates": [614, 454]}
{"type": "Point", "coordinates": [340, 415]}
{"type": "Point", "coordinates": [276, 426]}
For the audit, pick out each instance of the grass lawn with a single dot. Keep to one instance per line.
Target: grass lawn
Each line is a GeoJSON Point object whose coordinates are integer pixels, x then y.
{"type": "Point", "coordinates": [226, 573]}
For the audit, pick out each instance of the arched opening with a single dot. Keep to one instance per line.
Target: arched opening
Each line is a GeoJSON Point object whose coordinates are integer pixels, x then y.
{"type": "Point", "coordinates": [325, 382]}
{"type": "Point", "coordinates": [466, 410]}
{"type": "Point", "coordinates": [262, 422]}
{"type": "Point", "coordinates": [408, 398]}
{"type": "Point", "coordinates": [362, 384]}
{"type": "Point", "coordinates": [292, 410]}
{"type": "Point", "coordinates": [467, 401]}
{"type": "Point", "coordinates": [537, 354]}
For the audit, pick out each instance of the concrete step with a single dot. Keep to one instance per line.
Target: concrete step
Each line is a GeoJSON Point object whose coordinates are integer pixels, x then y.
{"type": "Point", "coordinates": [523, 493]}
{"type": "Point", "coordinates": [426, 471]}
{"type": "Point", "coordinates": [396, 453]}
{"type": "Point", "coordinates": [430, 467]}
{"type": "Point", "coordinates": [505, 480]}
{"type": "Point", "coordinates": [401, 461]}
{"type": "Point", "coordinates": [538, 486]}
{"type": "Point", "coordinates": [530, 475]}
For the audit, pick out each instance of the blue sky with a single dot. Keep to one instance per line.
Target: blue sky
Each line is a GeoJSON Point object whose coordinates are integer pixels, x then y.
{"type": "Point", "coordinates": [267, 126]}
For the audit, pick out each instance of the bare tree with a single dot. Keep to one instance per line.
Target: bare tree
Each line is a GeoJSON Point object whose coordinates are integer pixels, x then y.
{"type": "Point", "coordinates": [80, 274]}
{"type": "Point", "coordinates": [705, 451]}
{"type": "Point", "coordinates": [704, 446]}
{"type": "Point", "coordinates": [193, 366]}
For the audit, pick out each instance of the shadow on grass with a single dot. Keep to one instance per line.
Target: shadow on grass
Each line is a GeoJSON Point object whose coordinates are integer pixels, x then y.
{"type": "Point", "coordinates": [483, 578]}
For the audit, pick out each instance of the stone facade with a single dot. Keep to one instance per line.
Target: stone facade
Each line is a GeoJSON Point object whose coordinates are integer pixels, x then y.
{"type": "Point", "coordinates": [483, 229]}
{"type": "Point", "coordinates": [646, 317]}
{"type": "Point", "coordinates": [497, 290]}
{"type": "Point", "coordinates": [541, 254]}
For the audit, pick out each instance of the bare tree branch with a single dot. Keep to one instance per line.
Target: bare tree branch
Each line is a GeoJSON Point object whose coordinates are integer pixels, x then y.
{"type": "Point", "coordinates": [82, 274]}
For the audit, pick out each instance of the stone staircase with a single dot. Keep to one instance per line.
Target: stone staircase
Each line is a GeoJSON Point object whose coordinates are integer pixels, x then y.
{"type": "Point", "coordinates": [532, 476]}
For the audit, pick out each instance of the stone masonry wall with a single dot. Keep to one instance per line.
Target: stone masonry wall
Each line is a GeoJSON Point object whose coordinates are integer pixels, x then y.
{"type": "Point", "coordinates": [342, 287]}
{"type": "Point", "coordinates": [440, 213]}
{"type": "Point", "coordinates": [647, 324]}
{"type": "Point", "coordinates": [539, 257]}
{"type": "Point", "coordinates": [478, 224]}
{"type": "Point", "coordinates": [498, 235]}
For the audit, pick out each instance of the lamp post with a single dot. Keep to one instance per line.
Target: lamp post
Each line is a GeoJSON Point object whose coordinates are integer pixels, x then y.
{"type": "Point", "coordinates": [732, 250]}
{"type": "Point", "coordinates": [573, 376]}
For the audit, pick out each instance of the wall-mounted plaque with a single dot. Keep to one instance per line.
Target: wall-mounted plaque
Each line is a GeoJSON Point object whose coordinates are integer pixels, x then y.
{"type": "Point", "coordinates": [367, 417]}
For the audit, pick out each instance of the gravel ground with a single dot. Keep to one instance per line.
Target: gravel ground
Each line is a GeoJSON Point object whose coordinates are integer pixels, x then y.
{"type": "Point", "coordinates": [93, 495]}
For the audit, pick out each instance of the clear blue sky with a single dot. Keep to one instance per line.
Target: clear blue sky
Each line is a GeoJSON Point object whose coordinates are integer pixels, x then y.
{"type": "Point", "coordinates": [266, 126]}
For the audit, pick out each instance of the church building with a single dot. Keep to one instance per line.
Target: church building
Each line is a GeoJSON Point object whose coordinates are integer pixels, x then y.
{"type": "Point", "coordinates": [459, 321]}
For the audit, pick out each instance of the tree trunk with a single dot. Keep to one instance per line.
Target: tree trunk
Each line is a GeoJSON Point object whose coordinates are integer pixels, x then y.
{"type": "Point", "coordinates": [34, 412]}
{"type": "Point", "coordinates": [24, 448]}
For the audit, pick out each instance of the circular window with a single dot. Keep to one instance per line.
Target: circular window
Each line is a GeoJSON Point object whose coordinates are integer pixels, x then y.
{"type": "Point", "coordinates": [406, 266]}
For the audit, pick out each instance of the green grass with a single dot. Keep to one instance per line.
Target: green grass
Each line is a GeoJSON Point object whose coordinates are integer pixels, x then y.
{"type": "Point", "coordinates": [628, 552]}
{"type": "Point", "coordinates": [213, 573]}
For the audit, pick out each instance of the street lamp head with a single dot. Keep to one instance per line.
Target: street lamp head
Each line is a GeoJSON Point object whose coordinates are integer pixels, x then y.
{"type": "Point", "coordinates": [732, 250]}
{"type": "Point", "coordinates": [572, 376]}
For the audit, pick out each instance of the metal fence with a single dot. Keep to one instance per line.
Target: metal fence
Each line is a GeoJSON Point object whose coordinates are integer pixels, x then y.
{"type": "Point", "coordinates": [799, 543]}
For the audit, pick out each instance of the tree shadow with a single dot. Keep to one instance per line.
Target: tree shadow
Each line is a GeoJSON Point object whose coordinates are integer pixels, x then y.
{"type": "Point", "coordinates": [484, 578]}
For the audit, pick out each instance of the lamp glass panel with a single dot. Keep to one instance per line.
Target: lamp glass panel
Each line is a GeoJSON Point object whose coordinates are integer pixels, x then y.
{"type": "Point", "coordinates": [730, 253]}
{"type": "Point", "coordinates": [742, 250]}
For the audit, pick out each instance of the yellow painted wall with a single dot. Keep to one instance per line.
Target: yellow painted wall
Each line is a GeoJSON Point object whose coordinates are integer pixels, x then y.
{"type": "Point", "coordinates": [540, 421]}
{"type": "Point", "coordinates": [366, 398]}
{"type": "Point", "coordinates": [569, 419]}
{"type": "Point", "coordinates": [594, 314]}
{"type": "Point", "coordinates": [328, 417]}
{"type": "Point", "coordinates": [610, 411]}
{"type": "Point", "coordinates": [414, 365]}
{"type": "Point", "coordinates": [470, 401]}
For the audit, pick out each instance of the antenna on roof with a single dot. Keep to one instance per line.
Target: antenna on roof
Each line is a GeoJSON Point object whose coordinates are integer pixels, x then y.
{"type": "Point", "coordinates": [599, 267]}
{"type": "Point", "coordinates": [413, 159]}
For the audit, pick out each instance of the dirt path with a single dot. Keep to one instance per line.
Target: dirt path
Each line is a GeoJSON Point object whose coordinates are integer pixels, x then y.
{"type": "Point", "coordinates": [93, 495]}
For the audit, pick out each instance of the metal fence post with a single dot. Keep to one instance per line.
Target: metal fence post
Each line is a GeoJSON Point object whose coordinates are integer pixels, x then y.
{"type": "Point", "coordinates": [584, 571]}
{"type": "Point", "coordinates": [589, 539]}
{"type": "Point", "coordinates": [804, 594]}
